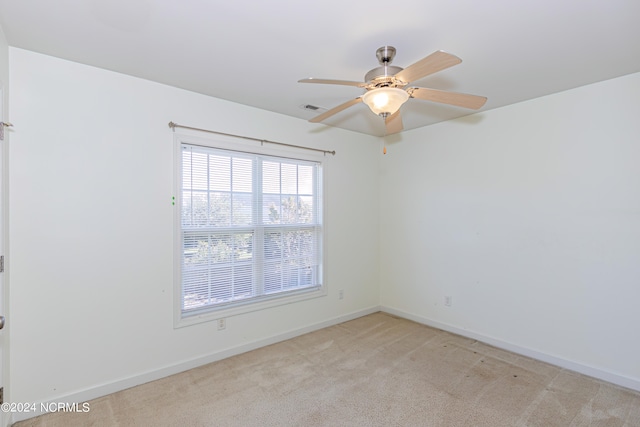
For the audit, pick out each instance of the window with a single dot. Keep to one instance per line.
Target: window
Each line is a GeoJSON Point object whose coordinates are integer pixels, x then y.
{"type": "Point", "coordinates": [250, 230]}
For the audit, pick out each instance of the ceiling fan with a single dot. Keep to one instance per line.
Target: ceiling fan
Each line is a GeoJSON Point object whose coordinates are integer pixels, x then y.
{"type": "Point", "coordinates": [386, 87]}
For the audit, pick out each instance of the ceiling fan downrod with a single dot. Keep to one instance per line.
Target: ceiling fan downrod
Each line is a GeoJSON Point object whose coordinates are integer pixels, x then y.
{"type": "Point", "coordinates": [385, 55]}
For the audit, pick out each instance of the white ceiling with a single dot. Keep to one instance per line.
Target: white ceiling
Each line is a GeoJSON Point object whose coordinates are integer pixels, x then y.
{"type": "Point", "coordinates": [254, 52]}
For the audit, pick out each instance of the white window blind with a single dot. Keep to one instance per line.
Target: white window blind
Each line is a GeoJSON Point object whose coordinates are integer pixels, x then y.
{"type": "Point", "coordinates": [251, 228]}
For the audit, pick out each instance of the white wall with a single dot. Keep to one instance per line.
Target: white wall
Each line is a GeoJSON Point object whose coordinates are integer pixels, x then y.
{"type": "Point", "coordinates": [529, 217]}
{"type": "Point", "coordinates": [4, 60]}
{"type": "Point", "coordinates": [4, 289]}
{"type": "Point", "coordinates": [92, 221]}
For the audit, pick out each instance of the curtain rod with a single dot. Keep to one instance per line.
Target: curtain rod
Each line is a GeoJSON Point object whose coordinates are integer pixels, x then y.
{"type": "Point", "coordinates": [173, 126]}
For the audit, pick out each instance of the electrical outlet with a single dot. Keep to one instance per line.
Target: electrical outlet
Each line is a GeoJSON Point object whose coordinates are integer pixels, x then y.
{"type": "Point", "coordinates": [448, 301]}
{"type": "Point", "coordinates": [340, 294]}
{"type": "Point", "coordinates": [222, 324]}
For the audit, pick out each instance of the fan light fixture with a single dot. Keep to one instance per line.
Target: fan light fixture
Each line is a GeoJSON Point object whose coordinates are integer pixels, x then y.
{"type": "Point", "coordinates": [386, 100]}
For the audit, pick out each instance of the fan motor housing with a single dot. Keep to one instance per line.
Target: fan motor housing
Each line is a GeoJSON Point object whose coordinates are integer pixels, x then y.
{"type": "Point", "coordinates": [384, 71]}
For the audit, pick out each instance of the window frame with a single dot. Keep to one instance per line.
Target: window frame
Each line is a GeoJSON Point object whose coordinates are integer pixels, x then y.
{"type": "Point", "coordinates": [265, 302]}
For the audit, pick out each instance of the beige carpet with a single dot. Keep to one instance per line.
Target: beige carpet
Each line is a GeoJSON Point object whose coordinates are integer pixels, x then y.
{"type": "Point", "coordinates": [377, 370]}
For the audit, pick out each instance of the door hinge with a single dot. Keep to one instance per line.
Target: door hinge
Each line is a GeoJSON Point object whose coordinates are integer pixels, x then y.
{"type": "Point", "coordinates": [1, 263]}
{"type": "Point", "coordinates": [1, 395]}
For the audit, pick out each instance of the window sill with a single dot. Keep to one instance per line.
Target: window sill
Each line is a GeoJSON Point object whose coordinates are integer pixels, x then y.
{"type": "Point", "coordinates": [211, 314]}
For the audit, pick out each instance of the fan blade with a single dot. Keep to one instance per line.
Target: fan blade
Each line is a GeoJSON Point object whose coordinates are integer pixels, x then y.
{"type": "Point", "coordinates": [394, 123]}
{"type": "Point", "coordinates": [332, 82]}
{"type": "Point", "coordinates": [433, 63]}
{"type": "Point", "coordinates": [444, 97]}
{"type": "Point", "coordinates": [335, 110]}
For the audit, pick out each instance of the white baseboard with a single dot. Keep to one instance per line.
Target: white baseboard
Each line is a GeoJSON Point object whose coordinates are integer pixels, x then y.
{"type": "Point", "coordinates": [534, 354]}
{"type": "Point", "coordinates": [145, 377]}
